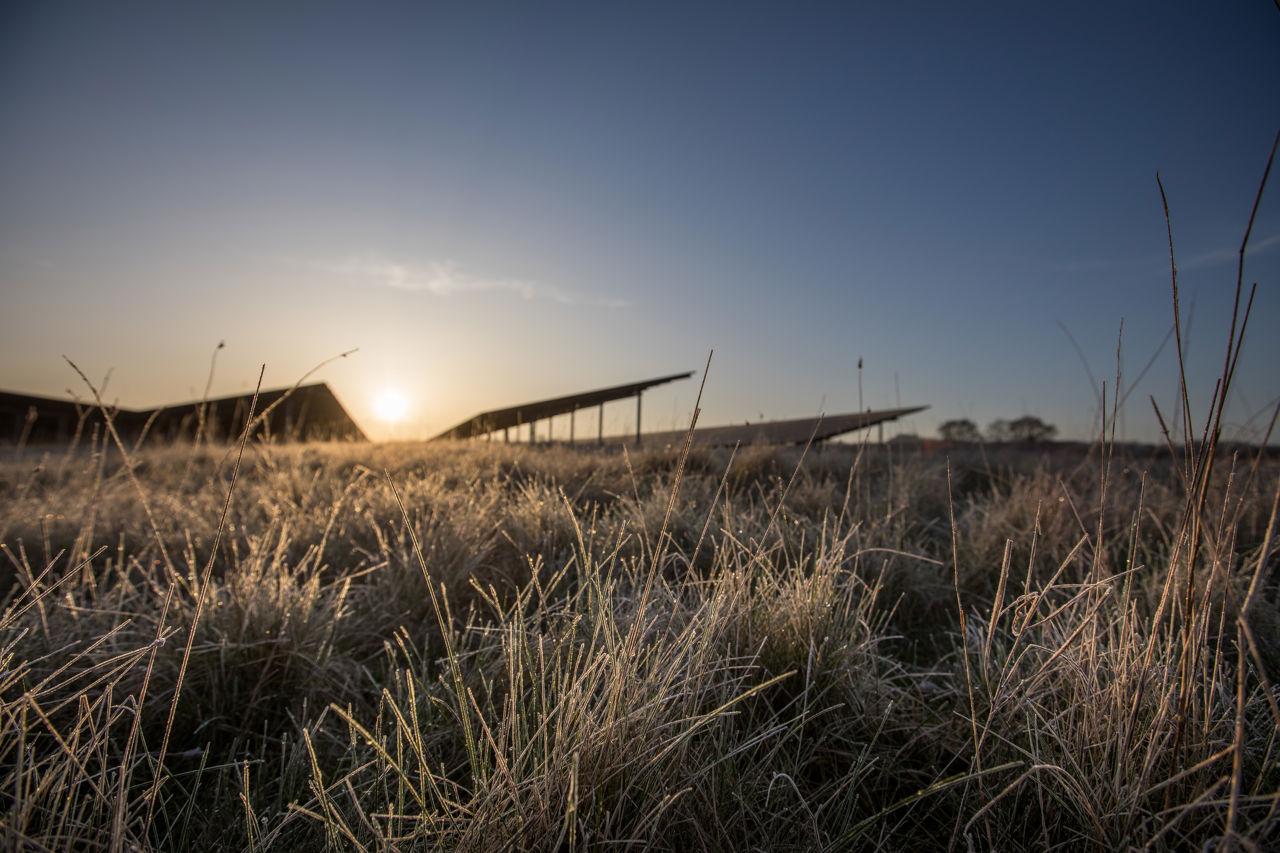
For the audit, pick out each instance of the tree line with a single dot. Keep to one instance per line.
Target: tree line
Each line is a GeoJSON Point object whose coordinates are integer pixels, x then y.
{"type": "Point", "coordinates": [1027, 429]}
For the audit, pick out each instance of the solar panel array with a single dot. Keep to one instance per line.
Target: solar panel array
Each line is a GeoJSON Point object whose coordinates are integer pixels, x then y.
{"type": "Point", "coordinates": [795, 431]}
{"type": "Point", "coordinates": [528, 413]}
{"type": "Point", "coordinates": [305, 413]}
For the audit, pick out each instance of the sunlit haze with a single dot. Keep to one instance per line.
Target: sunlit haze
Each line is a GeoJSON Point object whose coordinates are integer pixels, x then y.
{"type": "Point", "coordinates": [390, 406]}
{"type": "Point", "coordinates": [494, 206]}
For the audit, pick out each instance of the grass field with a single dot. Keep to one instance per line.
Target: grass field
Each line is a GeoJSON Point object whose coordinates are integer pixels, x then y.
{"type": "Point", "coordinates": [482, 647]}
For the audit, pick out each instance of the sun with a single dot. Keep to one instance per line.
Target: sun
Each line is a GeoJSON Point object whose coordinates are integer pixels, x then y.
{"type": "Point", "coordinates": [390, 405]}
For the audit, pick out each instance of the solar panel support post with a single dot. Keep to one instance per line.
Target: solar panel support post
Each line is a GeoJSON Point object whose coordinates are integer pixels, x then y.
{"type": "Point", "coordinates": [638, 394]}
{"type": "Point", "coordinates": [506, 435]}
{"type": "Point", "coordinates": [600, 427]}
{"type": "Point", "coordinates": [573, 416]}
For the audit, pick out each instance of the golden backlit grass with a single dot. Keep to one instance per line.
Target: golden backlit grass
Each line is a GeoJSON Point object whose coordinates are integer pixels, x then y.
{"type": "Point", "coordinates": [548, 649]}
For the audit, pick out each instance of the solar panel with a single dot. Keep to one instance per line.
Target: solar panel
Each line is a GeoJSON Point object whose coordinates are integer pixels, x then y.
{"type": "Point", "coordinates": [305, 412]}
{"type": "Point", "coordinates": [527, 413]}
{"type": "Point", "coordinates": [795, 431]}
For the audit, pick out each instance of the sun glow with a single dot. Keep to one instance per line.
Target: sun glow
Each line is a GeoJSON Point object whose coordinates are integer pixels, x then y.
{"type": "Point", "coordinates": [390, 406]}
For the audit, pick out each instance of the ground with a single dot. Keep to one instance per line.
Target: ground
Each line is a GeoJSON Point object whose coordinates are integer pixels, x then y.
{"type": "Point", "coordinates": [478, 647]}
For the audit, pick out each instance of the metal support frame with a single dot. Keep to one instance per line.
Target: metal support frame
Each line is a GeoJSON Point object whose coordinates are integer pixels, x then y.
{"type": "Point", "coordinates": [638, 395]}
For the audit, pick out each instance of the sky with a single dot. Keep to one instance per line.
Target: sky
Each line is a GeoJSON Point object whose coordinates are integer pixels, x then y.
{"type": "Point", "coordinates": [497, 203]}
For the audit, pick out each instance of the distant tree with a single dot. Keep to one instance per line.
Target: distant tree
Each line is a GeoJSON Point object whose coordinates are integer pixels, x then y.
{"type": "Point", "coordinates": [1032, 430]}
{"type": "Point", "coordinates": [961, 429]}
{"type": "Point", "coordinates": [999, 432]}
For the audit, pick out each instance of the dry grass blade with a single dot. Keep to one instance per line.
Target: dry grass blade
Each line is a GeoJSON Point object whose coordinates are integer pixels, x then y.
{"type": "Point", "coordinates": [199, 605]}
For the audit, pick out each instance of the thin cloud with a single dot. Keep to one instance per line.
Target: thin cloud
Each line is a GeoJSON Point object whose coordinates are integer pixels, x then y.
{"type": "Point", "coordinates": [1201, 260]}
{"type": "Point", "coordinates": [1221, 256]}
{"type": "Point", "coordinates": [445, 278]}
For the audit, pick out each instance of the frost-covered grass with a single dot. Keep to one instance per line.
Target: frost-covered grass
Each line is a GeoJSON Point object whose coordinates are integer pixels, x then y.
{"type": "Point", "coordinates": [485, 646]}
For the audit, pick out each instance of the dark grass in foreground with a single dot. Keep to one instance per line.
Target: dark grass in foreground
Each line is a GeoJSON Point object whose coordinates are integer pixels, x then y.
{"type": "Point", "coordinates": [558, 650]}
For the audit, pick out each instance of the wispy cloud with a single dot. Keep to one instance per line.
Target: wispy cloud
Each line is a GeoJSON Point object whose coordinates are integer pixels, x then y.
{"type": "Point", "coordinates": [1221, 256]}
{"type": "Point", "coordinates": [445, 278]}
{"type": "Point", "coordinates": [1200, 260]}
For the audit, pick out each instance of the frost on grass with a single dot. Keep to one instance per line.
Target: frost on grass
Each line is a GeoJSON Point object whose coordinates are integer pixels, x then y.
{"type": "Point", "coordinates": [481, 647]}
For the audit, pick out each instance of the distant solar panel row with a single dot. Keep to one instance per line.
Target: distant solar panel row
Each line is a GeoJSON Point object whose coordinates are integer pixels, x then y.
{"type": "Point", "coordinates": [306, 413]}
{"type": "Point", "coordinates": [528, 413]}
{"type": "Point", "coordinates": [796, 431]}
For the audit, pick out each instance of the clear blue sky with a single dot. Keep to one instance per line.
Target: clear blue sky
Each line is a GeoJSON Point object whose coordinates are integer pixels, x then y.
{"type": "Point", "coordinates": [503, 202]}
